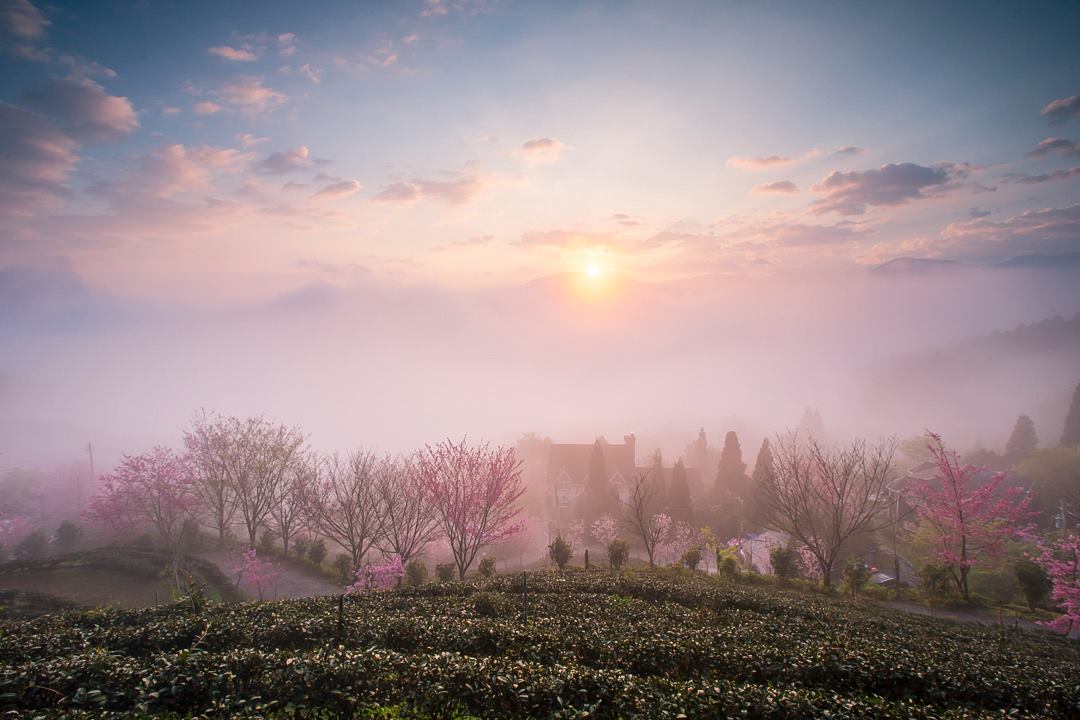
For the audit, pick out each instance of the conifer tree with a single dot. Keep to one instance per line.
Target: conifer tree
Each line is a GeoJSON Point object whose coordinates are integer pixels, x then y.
{"type": "Point", "coordinates": [679, 493]}
{"type": "Point", "coordinates": [1071, 436]}
{"type": "Point", "coordinates": [1023, 440]}
{"type": "Point", "coordinates": [731, 472]}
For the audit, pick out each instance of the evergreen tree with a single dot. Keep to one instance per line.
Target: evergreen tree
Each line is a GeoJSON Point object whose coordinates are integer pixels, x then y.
{"type": "Point", "coordinates": [811, 427]}
{"type": "Point", "coordinates": [1023, 441]}
{"type": "Point", "coordinates": [596, 497]}
{"type": "Point", "coordinates": [679, 493]}
{"type": "Point", "coordinates": [659, 479]}
{"type": "Point", "coordinates": [731, 472]}
{"type": "Point", "coordinates": [1071, 436]}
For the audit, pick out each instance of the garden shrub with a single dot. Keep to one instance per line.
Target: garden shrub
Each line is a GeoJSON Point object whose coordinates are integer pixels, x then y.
{"type": "Point", "coordinates": [445, 572]}
{"type": "Point", "coordinates": [618, 553]}
{"type": "Point", "coordinates": [317, 552]}
{"type": "Point", "coordinates": [559, 551]}
{"type": "Point", "coordinates": [487, 567]}
{"type": "Point", "coordinates": [416, 573]}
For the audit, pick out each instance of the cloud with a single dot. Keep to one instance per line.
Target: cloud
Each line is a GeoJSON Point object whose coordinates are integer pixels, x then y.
{"type": "Point", "coordinates": [566, 239]}
{"type": "Point", "coordinates": [1025, 179]}
{"type": "Point", "coordinates": [780, 187]}
{"type": "Point", "coordinates": [976, 213]}
{"type": "Point", "coordinates": [175, 168]}
{"type": "Point", "coordinates": [22, 20]}
{"type": "Point", "coordinates": [1050, 231]}
{"type": "Point", "coordinates": [286, 44]}
{"type": "Point", "coordinates": [284, 162]}
{"type": "Point", "coordinates": [847, 151]}
{"type": "Point", "coordinates": [248, 140]}
{"type": "Point", "coordinates": [453, 192]}
{"type": "Point", "coordinates": [228, 52]}
{"type": "Point", "coordinates": [84, 109]}
{"type": "Point", "coordinates": [312, 74]}
{"type": "Point", "coordinates": [248, 94]}
{"type": "Point", "coordinates": [850, 193]}
{"type": "Point", "coordinates": [1062, 110]}
{"type": "Point", "coordinates": [543, 151]}
{"type": "Point", "coordinates": [745, 162]}
{"type": "Point", "coordinates": [37, 160]}
{"type": "Point", "coordinates": [338, 190]}
{"type": "Point", "coordinates": [170, 110]}
{"type": "Point", "coordinates": [1068, 148]}
{"type": "Point", "coordinates": [207, 107]}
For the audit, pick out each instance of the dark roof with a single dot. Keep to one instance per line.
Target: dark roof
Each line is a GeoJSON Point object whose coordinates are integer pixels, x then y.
{"type": "Point", "coordinates": [574, 459]}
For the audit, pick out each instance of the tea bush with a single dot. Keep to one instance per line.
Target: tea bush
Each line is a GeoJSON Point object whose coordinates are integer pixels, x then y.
{"type": "Point", "coordinates": [597, 644]}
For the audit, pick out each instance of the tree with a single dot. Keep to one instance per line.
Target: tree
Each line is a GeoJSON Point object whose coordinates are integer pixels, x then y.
{"type": "Point", "coordinates": [68, 535]}
{"type": "Point", "coordinates": [256, 574]}
{"type": "Point", "coordinates": [596, 496]}
{"type": "Point", "coordinates": [290, 513]}
{"type": "Point", "coordinates": [382, 576]}
{"type": "Point", "coordinates": [1034, 583]}
{"type": "Point", "coordinates": [659, 479]}
{"type": "Point", "coordinates": [1061, 561]}
{"type": "Point", "coordinates": [1071, 433]}
{"type": "Point", "coordinates": [618, 553]}
{"type": "Point", "coordinates": [1055, 482]}
{"type": "Point", "coordinates": [206, 444]}
{"type": "Point", "coordinates": [731, 472]}
{"type": "Point", "coordinates": [475, 490]}
{"type": "Point", "coordinates": [32, 547]}
{"type": "Point", "coordinates": [257, 457]}
{"type": "Point", "coordinates": [968, 524]}
{"type": "Point", "coordinates": [678, 498]}
{"type": "Point", "coordinates": [1022, 442]}
{"type": "Point", "coordinates": [605, 530]}
{"type": "Point", "coordinates": [822, 496]}
{"type": "Point", "coordinates": [155, 489]}
{"type": "Point", "coordinates": [782, 559]}
{"type": "Point", "coordinates": [559, 551]}
{"type": "Point", "coordinates": [409, 520]}
{"type": "Point", "coordinates": [642, 517]}
{"type": "Point", "coordinates": [346, 506]}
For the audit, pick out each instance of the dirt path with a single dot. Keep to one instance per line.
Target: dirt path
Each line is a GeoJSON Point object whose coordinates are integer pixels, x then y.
{"type": "Point", "coordinates": [979, 617]}
{"type": "Point", "coordinates": [294, 582]}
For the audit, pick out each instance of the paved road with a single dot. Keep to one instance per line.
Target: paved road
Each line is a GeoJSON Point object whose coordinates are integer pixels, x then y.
{"type": "Point", "coordinates": [294, 582]}
{"type": "Point", "coordinates": [980, 617]}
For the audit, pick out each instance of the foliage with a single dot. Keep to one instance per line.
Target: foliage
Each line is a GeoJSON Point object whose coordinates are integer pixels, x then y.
{"type": "Point", "coordinates": [416, 573]}
{"type": "Point", "coordinates": [935, 583]}
{"type": "Point", "coordinates": [559, 551]}
{"type": "Point", "coordinates": [1055, 482]}
{"type": "Point", "coordinates": [256, 574]}
{"type": "Point", "coordinates": [1071, 433]}
{"type": "Point", "coordinates": [444, 572]}
{"type": "Point", "coordinates": [678, 496]}
{"type": "Point", "coordinates": [691, 558]}
{"type": "Point", "coordinates": [605, 530]}
{"type": "Point", "coordinates": [1033, 581]}
{"type": "Point", "coordinates": [34, 546]}
{"type": "Point", "coordinates": [997, 587]}
{"type": "Point", "coordinates": [301, 545]}
{"type": "Point", "coordinates": [969, 524]}
{"type": "Point", "coordinates": [316, 551]}
{"type": "Point", "coordinates": [597, 645]}
{"type": "Point", "coordinates": [856, 574]}
{"type": "Point", "coordinates": [782, 559]}
{"type": "Point", "coordinates": [486, 569]}
{"type": "Point", "coordinates": [1060, 559]}
{"type": "Point", "coordinates": [68, 536]}
{"type": "Point", "coordinates": [618, 552]}
{"type": "Point", "coordinates": [343, 566]}
{"type": "Point", "coordinates": [475, 490]}
{"type": "Point", "coordinates": [1023, 441]}
{"type": "Point", "coordinates": [380, 576]}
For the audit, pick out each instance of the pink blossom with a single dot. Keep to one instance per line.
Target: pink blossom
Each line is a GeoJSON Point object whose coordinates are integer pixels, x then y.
{"type": "Point", "coordinates": [255, 574]}
{"type": "Point", "coordinates": [371, 577]}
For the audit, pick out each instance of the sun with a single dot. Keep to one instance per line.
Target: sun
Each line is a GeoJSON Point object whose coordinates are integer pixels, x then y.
{"type": "Point", "coordinates": [594, 270]}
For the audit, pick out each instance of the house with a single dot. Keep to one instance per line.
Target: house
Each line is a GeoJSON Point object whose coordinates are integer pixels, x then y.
{"type": "Point", "coordinates": [568, 469]}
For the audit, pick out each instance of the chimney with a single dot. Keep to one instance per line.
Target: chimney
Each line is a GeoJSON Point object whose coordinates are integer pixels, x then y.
{"type": "Point", "coordinates": [630, 442]}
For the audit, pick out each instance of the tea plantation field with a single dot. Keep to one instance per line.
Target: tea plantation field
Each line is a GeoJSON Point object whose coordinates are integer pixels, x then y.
{"type": "Point", "coordinates": [595, 645]}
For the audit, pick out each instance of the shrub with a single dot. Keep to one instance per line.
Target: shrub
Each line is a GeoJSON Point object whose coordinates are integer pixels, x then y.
{"type": "Point", "coordinates": [488, 604]}
{"type": "Point", "coordinates": [301, 546]}
{"type": "Point", "coordinates": [445, 572]}
{"type": "Point", "coordinates": [68, 536]}
{"type": "Point", "coordinates": [691, 558]}
{"type": "Point", "coordinates": [728, 566]}
{"type": "Point", "coordinates": [559, 551]}
{"type": "Point", "coordinates": [935, 583]}
{"type": "Point", "coordinates": [783, 562]}
{"type": "Point", "coordinates": [856, 573]}
{"type": "Point", "coordinates": [416, 573]}
{"type": "Point", "coordinates": [1033, 581]}
{"type": "Point", "coordinates": [618, 552]}
{"type": "Point", "coordinates": [487, 567]}
{"type": "Point", "coordinates": [343, 566]}
{"type": "Point", "coordinates": [32, 547]}
{"type": "Point", "coordinates": [190, 537]}
{"type": "Point", "coordinates": [267, 540]}
{"type": "Point", "coordinates": [317, 552]}
{"type": "Point", "coordinates": [998, 587]}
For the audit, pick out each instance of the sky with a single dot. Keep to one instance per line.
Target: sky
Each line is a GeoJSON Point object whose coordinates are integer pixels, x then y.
{"type": "Point", "coordinates": [391, 222]}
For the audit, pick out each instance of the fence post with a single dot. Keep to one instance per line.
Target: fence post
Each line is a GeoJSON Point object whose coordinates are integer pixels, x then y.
{"type": "Point", "coordinates": [341, 618]}
{"type": "Point", "coordinates": [525, 586]}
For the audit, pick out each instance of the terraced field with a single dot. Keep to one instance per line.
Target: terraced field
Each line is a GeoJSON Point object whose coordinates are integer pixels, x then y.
{"type": "Point", "coordinates": [595, 645]}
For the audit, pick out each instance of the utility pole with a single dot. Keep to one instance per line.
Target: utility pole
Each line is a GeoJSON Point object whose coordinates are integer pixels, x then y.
{"type": "Point", "coordinates": [90, 452]}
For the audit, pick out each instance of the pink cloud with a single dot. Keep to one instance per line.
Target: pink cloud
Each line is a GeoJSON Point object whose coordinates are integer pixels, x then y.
{"type": "Point", "coordinates": [454, 192]}
{"type": "Point", "coordinates": [780, 187]}
{"type": "Point", "coordinates": [1062, 110]}
{"type": "Point", "coordinates": [850, 193]}
{"type": "Point", "coordinates": [1067, 148]}
{"type": "Point", "coordinates": [543, 151]}
{"type": "Point", "coordinates": [84, 109]}
{"type": "Point", "coordinates": [287, 161]}
{"type": "Point", "coordinates": [248, 94]}
{"type": "Point", "coordinates": [37, 161]}
{"type": "Point", "coordinates": [228, 52]}
{"type": "Point", "coordinates": [207, 107]}
{"type": "Point", "coordinates": [22, 20]}
{"type": "Point", "coordinates": [338, 190]}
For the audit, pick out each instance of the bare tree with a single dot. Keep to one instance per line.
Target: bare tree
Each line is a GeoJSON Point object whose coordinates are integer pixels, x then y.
{"type": "Point", "coordinates": [409, 515]}
{"type": "Point", "coordinates": [642, 519]}
{"type": "Point", "coordinates": [258, 456]}
{"type": "Point", "coordinates": [346, 506]}
{"type": "Point", "coordinates": [205, 443]}
{"type": "Point", "coordinates": [290, 512]}
{"type": "Point", "coordinates": [824, 496]}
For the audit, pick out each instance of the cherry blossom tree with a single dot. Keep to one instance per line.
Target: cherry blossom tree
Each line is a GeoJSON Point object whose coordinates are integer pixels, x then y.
{"type": "Point", "coordinates": [475, 490]}
{"type": "Point", "coordinates": [155, 489]}
{"type": "Point", "coordinates": [381, 576]}
{"type": "Point", "coordinates": [1061, 561]}
{"type": "Point", "coordinates": [969, 525]}
{"type": "Point", "coordinates": [346, 506]}
{"type": "Point", "coordinates": [824, 496]}
{"type": "Point", "coordinates": [605, 530]}
{"type": "Point", "coordinates": [642, 518]}
{"type": "Point", "coordinates": [256, 574]}
{"type": "Point", "coordinates": [409, 517]}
